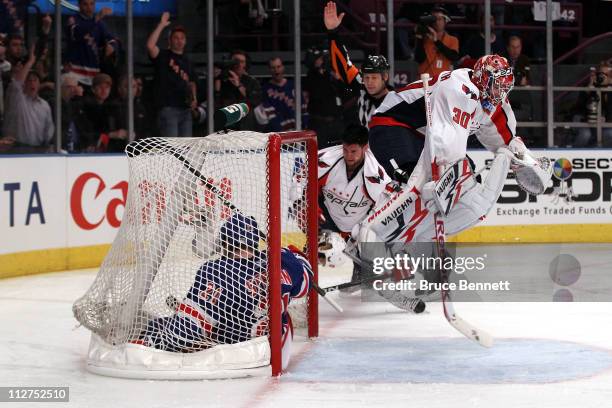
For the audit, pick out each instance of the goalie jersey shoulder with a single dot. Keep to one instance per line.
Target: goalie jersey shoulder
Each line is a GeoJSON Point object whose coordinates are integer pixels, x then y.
{"type": "Point", "coordinates": [328, 158]}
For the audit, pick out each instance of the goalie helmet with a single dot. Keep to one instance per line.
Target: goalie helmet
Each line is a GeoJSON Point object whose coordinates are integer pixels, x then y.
{"type": "Point", "coordinates": [493, 76]}
{"type": "Point", "coordinates": [331, 246]}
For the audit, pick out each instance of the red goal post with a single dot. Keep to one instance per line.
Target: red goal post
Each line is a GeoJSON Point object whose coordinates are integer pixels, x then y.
{"type": "Point", "coordinates": [275, 235]}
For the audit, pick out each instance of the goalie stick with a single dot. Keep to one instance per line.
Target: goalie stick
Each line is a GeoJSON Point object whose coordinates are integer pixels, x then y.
{"type": "Point", "coordinates": [465, 328]}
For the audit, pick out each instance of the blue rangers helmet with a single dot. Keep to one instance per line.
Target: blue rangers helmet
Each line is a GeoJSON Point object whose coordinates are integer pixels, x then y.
{"type": "Point", "coordinates": [240, 230]}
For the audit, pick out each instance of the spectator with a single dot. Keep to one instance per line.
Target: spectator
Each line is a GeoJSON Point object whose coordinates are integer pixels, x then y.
{"type": "Point", "coordinates": [5, 69]}
{"type": "Point", "coordinates": [12, 16]}
{"type": "Point", "coordinates": [174, 79]}
{"type": "Point", "coordinates": [100, 132]}
{"type": "Point", "coordinates": [518, 61]}
{"type": "Point", "coordinates": [437, 50]}
{"type": "Point", "coordinates": [277, 109]}
{"type": "Point", "coordinates": [474, 47]}
{"type": "Point", "coordinates": [255, 11]}
{"type": "Point", "coordinates": [521, 102]}
{"type": "Point", "coordinates": [72, 112]}
{"type": "Point", "coordinates": [408, 13]}
{"type": "Point", "coordinates": [324, 101]}
{"type": "Point", "coordinates": [28, 123]}
{"type": "Point", "coordinates": [239, 86]}
{"type": "Point", "coordinates": [15, 49]}
{"type": "Point", "coordinates": [587, 106]}
{"type": "Point", "coordinates": [141, 123]}
{"type": "Point", "coordinates": [88, 42]}
{"type": "Point", "coordinates": [43, 60]}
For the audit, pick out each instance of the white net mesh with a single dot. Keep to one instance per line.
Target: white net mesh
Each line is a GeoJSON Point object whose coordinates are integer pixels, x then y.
{"type": "Point", "coordinates": [176, 278]}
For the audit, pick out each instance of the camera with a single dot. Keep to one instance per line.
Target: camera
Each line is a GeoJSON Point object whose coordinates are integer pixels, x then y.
{"type": "Point", "coordinates": [600, 78]}
{"type": "Point", "coordinates": [424, 23]}
{"type": "Point", "coordinates": [225, 67]}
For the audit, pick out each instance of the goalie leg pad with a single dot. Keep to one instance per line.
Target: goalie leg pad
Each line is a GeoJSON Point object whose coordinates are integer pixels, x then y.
{"type": "Point", "coordinates": [400, 214]}
{"type": "Point", "coordinates": [476, 203]}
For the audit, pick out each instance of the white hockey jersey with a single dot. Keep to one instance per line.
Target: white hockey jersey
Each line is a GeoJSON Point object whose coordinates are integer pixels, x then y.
{"type": "Point", "coordinates": [349, 201]}
{"type": "Point", "coordinates": [456, 113]}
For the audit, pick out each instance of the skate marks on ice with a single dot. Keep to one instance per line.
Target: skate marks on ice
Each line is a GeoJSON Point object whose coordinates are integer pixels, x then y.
{"type": "Point", "coordinates": [448, 360]}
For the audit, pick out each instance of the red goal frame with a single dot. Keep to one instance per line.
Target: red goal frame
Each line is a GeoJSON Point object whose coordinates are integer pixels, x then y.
{"type": "Point", "coordinates": [275, 142]}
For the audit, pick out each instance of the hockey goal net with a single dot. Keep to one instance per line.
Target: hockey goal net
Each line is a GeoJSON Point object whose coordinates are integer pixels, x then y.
{"type": "Point", "coordinates": [150, 313]}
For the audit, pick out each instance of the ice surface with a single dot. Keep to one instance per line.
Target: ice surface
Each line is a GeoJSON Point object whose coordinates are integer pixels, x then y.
{"type": "Point", "coordinates": [373, 355]}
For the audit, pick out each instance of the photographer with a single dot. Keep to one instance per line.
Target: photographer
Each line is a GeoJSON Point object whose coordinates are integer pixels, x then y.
{"type": "Point", "coordinates": [238, 86]}
{"type": "Point", "coordinates": [587, 105]}
{"type": "Point", "coordinates": [435, 49]}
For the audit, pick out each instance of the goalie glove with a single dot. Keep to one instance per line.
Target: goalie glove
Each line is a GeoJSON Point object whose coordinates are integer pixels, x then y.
{"type": "Point", "coordinates": [532, 173]}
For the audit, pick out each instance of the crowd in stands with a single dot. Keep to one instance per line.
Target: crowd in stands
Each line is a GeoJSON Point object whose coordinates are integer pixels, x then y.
{"type": "Point", "coordinates": [94, 83]}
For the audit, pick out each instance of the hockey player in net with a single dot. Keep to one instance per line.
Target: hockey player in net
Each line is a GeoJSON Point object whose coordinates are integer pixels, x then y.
{"type": "Point", "coordinates": [464, 102]}
{"type": "Point", "coordinates": [237, 281]}
{"type": "Point", "coordinates": [350, 183]}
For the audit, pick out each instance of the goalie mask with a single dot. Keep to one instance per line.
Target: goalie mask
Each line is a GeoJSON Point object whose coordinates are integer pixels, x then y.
{"type": "Point", "coordinates": [331, 246]}
{"type": "Point", "coordinates": [493, 76]}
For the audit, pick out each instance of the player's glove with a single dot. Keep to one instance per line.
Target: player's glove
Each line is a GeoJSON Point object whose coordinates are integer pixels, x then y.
{"type": "Point", "coordinates": [532, 173]}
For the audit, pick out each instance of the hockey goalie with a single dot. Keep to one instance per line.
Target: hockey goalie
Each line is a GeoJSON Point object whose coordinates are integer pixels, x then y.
{"type": "Point", "coordinates": [464, 102]}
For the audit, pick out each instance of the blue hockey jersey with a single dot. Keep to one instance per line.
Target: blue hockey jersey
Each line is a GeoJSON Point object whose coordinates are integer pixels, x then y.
{"type": "Point", "coordinates": [228, 303]}
{"type": "Point", "coordinates": [86, 39]}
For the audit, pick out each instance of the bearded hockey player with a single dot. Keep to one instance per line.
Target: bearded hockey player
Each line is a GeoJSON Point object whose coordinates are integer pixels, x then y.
{"type": "Point", "coordinates": [350, 183]}
{"type": "Point", "coordinates": [235, 281]}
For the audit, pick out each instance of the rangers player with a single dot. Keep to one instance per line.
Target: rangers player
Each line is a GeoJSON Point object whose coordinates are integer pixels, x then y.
{"type": "Point", "coordinates": [235, 281]}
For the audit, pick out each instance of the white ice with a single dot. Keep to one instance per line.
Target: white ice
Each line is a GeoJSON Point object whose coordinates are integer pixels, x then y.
{"type": "Point", "coordinates": [546, 354]}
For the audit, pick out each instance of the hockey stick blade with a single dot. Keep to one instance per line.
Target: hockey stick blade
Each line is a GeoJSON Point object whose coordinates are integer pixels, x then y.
{"type": "Point", "coordinates": [471, 332]}
{"type": "Point", "coordinates": [331, 301]}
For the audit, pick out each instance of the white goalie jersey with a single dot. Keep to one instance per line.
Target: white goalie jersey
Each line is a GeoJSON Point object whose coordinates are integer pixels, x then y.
{"type": "Point", "coordinates": [457, 112]}
{"type": "Point", "coordinates": [348, 201]}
